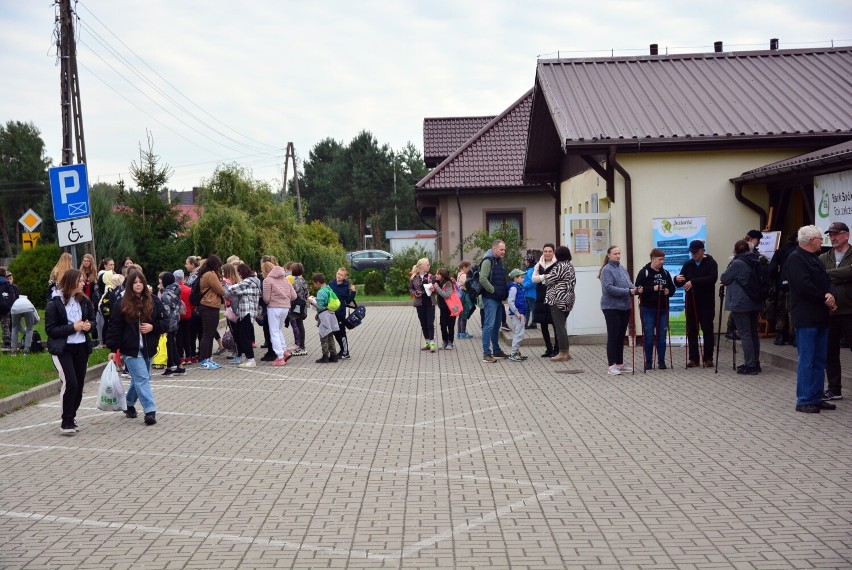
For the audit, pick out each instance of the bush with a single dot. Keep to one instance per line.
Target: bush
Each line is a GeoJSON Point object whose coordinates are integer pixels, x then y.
{"type": "Point", "coordinates": [396, 282]}
{"type": "Point", "coordinates": [406, 259]}
{"type": "Point", "coordinates": [31, 270]}
{"type": "Point", "coordinates": [374, 283]}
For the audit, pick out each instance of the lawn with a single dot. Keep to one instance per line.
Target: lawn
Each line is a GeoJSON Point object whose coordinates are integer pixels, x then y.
{"type": "Point", "coordinates": [19, 373]}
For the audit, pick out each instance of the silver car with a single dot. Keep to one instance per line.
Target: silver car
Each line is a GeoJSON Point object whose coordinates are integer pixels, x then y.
{"type": "Point", "coordinates": [370, 259]}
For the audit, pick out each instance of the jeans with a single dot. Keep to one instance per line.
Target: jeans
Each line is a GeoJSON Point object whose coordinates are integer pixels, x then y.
{"type": "Point", "coordinates": [490, 326]}
{"type": "Point", "coordinates": [655, 324]}
{"type": "Point", "coordinates": [275, 316]}
{"type": "Point", "coordinates": [746, 324]}
{"type": "Point", "coordinates": [139, 368]}
{"type": "Point", "coordinates": [530, 304]}
{"type": "Point", "coordinates": [28, 319]}
{"type": "Point", "coordinates": [616, 326]}
{"type": "Point", "coordinates": [812, 344]}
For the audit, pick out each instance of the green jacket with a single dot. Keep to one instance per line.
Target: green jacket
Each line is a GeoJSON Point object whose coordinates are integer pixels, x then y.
{"type": "Point", "coordinates": [841, 278]}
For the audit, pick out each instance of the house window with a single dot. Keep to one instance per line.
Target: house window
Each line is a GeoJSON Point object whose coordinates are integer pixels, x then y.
{"type": "Point", "coordinates": [493, 220]}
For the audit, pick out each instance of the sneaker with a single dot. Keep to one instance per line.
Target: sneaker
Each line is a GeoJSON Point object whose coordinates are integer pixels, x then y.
{"type": "Point", "coordinates": [179, 371]}
{"type": "Point", "coordinates": [268, 357]}
{"type": "Point", "coordinates": [613, 370]}
{"type": "Point", "coordinates": [662, 366]}
{"type": "Point", "coordinates": [300, 351]}
{"type": "Point", "coordinates": [67, 430]}
{"type": "Point", "coordinates": [829, 395]}
{"type": "Point", "coordinates": [26, 350]}
{"type": "Point", "coordinates": [449, 346]}
{"type": "Point", "coordinates": [287, 355]}
{"type": "Point", "coordinates": [333, 358]}
{"type": "Point", "coordinates": [235, 360]}
{"type": "Point", "coordinates": [624, 368]}
{"type": "Point", "coordinates": [150, 418]}
{"type": "Point", "coordinates": [823, 405]}
{"type": "Point", "coordinates": [279, 362]}
{"type": "Point", "coordinates": [489, 359]}
{"type": "Point", "coordinates": [167, 372]}
{"type": "Point", "coordinates": [708, 363]}
{"type": "Point", "coordinates": [500, 354]}
{"type": "Point", "coordinates": [322, 360]}
{"type": "Point", "coordinates": [505, 328]}
{"type": "Point", "coordinates": [425, 345]}
{"type": "Point", "coordinates": [345, 355]}
{"type": "Point", "coordinates": [807, 408]}
{"type": "Point", "coordinates": [130, 412]}
{"type": "Point", "coordinates": [692, 364]}
{"type": "Point", "coordinates": [515, 357]}
{"type": "Point", "coordinates": [209, 365]}
{"type": "Point", "coordinates": [250, 363]}
{"type": "Point", "coordinates": [548, 353]}
{"type": "Point", "coordinates": [432, 347]}
{"type": "Point", "coordinates": [649, 366]}
{"type": "Point", "coordinates": [220, 351]}
{"type": "Point", "coordinates": [463, 335]}
{"type": "Point", "coordinates": [444, 345]}
{"type": "Point", "coordinates": [748, 370]}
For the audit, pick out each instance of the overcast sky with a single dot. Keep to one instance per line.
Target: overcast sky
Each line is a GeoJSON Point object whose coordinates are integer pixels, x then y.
{"type": "Point", "coordinates": [229, 81]}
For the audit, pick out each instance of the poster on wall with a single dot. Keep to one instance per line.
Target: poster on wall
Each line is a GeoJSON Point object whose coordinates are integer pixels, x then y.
{"type": "Point", "coordinates": [672, 235]}
{"type": "Point", "coordinates": [832, 201]}
{"type": "Point", "coordinates": [582, 241]}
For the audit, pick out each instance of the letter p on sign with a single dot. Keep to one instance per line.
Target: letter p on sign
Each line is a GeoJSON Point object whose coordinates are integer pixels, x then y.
{"type": "Point", "coordinates": [69, 183]}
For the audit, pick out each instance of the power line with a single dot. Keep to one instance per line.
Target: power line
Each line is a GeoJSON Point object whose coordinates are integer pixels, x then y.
{"type": "Point", "coordinates": [173, 86]}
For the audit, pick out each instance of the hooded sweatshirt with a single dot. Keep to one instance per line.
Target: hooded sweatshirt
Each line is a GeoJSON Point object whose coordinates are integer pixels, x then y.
{"type": "Point", "coordinates": [277, 291]}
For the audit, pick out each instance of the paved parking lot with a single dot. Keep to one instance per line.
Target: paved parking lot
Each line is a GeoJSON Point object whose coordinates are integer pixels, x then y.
{"type": "Point", "coordinates": [400, 458]}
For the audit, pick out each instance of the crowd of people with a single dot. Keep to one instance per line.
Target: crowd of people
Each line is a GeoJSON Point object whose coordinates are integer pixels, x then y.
{"type": "Point", "coordinates": [97, 305]}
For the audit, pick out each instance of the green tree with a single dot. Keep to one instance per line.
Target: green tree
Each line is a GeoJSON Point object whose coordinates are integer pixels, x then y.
{"type": "Point", "coordinates": [23, 176]}
{"type": "Point", "coordinates": [480, 241]}
{"type": "Point", "coordinates": [32, 271]}
{"type": "Point", "coordinates": [158, 228]}
{"type": "Point", "coordinates": [111, 236]}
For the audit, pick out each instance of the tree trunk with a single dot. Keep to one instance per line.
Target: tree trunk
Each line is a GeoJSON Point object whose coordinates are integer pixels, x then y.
{"type": "Point", "coordinates": [5, 231]}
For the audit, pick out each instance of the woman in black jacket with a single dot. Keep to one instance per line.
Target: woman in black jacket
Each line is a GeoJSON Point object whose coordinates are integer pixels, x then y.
{"type": "Point", "coordinates": [135, 328]}
{"type": "Point", "coordinates": [68, 319]}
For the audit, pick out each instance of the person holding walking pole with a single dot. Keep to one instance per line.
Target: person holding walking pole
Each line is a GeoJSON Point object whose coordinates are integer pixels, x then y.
{"type": "Point", "coordinates": [719, 333]}
{"type": "Point", "coordinates": [654, 285]}
{"type": "Point", "coordinates": [616, 301]}
{"type": "Point", "coordinates": [698, 278]}
{"type": "Point", "coordinates": [745, 309]}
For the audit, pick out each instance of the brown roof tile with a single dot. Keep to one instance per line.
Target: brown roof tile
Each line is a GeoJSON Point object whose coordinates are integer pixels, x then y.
{"type": "Point", "coordinates": [832, 159]}
{"type": "Point", "coordinates": [443, 135]}
{"type": "Point", "coordinates": [492, 158]}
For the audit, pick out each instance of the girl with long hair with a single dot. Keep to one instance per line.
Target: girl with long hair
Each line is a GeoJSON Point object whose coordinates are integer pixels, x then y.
{"type": "Point", "coordinates": [68, 319]}
{"type": "Point", "coordinates": [245, 302]}
{"type": "Point", "coordinates": [212, 293]}
{"type": "Point", "coordinates": [617, 292]}
{"type": "Point", "coordinates": [423, 302]}
{"type": "Point", "coordinates": [135, 328]}
{"type": "Point", "coordinates": [444, 286]}
{"type": "Point", "coordinates": [64, 264]}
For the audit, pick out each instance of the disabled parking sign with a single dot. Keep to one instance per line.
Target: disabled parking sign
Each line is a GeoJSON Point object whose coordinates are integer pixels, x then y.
{"type": "Point", "coordinates": [69, 189]}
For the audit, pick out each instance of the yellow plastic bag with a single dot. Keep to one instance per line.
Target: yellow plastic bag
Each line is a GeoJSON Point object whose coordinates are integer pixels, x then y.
{"type": "Point", "coordinates": [162, 357]}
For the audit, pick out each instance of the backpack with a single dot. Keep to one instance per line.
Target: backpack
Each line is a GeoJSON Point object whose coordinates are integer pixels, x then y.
{"type": "Point", "coordinates": [36, 345]}
{"type": "Point", "coordinates": [356, 317]}
{"type": "Point", "coordinates": [171, 305]}
{"type": "Point", "coordinates": [333, 301]}
{"type": "Point", "coordinates": [105, 305]}
{"type": "Point", "coordinates": [195, 293]}
{"type": "Point", "coordinates": [759, 283]}
{"type": "Point", "coordinates": [471, 283]}
{"type": "Point", "coordinates": [7, 298]}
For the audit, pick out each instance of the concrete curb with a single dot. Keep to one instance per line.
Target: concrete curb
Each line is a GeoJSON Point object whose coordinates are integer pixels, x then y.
{"type": "Point", "coordinates": [43, 391]}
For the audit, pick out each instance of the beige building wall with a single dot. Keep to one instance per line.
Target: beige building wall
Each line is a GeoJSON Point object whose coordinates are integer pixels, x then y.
{"type": "Point", "coordinates": [538, 215]}
{"type": "Point", "coordinates": [678, 185]}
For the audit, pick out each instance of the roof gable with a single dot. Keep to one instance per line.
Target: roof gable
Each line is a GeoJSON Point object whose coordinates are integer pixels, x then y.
{"type": "Point", "coordinates": [492, 158]}
{"type": "Point", "coordinates": [653, 99]}
{"type": "Point", "coordinates": [443, 135]}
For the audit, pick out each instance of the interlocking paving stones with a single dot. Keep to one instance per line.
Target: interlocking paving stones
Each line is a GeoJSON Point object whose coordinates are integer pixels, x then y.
{"type": "Point", "coordinates": [400, 458]}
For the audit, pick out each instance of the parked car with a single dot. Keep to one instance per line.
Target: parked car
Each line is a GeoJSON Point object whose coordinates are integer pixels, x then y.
{"type": "Point", "coordinates": [370, 259]}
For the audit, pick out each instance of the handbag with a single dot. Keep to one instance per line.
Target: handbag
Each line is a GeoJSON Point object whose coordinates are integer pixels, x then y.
{"type": "Point", "coordinates": [230, 315]}
{"type": "Point", "coordinates": [454, 304]}
{"type": "Point", "coordinates": [298, 309]}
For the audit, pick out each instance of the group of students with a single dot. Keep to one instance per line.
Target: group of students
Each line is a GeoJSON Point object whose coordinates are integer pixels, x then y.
{"type": "Point", "coordinates": [128, 316]}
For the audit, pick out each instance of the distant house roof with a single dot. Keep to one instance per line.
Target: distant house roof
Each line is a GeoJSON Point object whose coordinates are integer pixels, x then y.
{"type": "Point", "coordinates": [667, 102]}
{"type": "Point", "coordinates": [492, 158]}
{"type": "Point", "coordinates": [443, 135]}
{"type": "Point", "coordinates": [835, 158]}
{"type": "Point", "coordinates": [411, 234]}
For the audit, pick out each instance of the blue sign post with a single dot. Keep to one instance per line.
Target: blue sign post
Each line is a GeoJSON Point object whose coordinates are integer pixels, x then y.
{"type": "Point", "coordinates": [69, 188]}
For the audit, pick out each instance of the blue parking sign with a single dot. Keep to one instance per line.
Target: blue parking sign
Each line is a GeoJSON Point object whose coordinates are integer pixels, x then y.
{"type": "Point", "coordinates": [69, 188]}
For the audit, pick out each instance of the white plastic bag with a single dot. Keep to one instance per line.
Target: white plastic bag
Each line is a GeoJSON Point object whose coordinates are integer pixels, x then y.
{"type": "Point", "coordinates": [111, 396]}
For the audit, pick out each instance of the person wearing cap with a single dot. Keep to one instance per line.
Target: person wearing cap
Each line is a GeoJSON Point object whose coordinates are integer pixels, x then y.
{"type": "Point", "coordinates": [838, 264]}
{"type": "Point", "coordinates": [518, 309]}
{"type": "Point", "coordinates": [812, 301]}
{"type": "Point", "coordinates": [698, 278]}
{"type": "Point", "coordinates": [753, 238]}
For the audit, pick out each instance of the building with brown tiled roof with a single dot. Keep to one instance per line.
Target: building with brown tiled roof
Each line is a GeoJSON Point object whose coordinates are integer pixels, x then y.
{"type": "Point", "coordinates": [480, 183]}
{"type": "Point", "coordinates": [630, 139]}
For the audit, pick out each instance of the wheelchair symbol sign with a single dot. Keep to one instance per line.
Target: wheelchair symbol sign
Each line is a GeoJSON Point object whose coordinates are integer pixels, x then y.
{"type": "Point", "coordinates": [74, 232]}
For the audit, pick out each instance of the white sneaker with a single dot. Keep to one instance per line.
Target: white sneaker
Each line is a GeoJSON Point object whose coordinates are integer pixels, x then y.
{"type": "Point", "coordinates": [250, 363]}
{"type": "Point", "coordinates": [625, 368]}
{"type": "Point", "coordinates": [613, 370]}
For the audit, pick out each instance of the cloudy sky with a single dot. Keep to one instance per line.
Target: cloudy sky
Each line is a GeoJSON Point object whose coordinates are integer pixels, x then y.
{"type": "Point", "coordinates": [221, 81]}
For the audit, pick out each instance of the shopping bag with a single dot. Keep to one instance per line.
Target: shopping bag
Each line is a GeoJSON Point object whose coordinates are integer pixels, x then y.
{"type": "Point", "coordinates": [111, 397]}
{"type": "Point", "coordinates": [454, 304]}
{"type": "Point", "coordinates": [468, 304]}
{"type": "Point", "coordinates": [162, 357]}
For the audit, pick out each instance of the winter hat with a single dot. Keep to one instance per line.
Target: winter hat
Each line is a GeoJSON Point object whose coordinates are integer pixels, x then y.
{"type": "Point", "coordinates": [167, 279]}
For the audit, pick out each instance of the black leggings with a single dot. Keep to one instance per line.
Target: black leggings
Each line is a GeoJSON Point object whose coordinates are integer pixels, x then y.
{"type": "Point", "coordinates": [616, 325]}
{"type": "Point", "coordinates": [209, 324]}
{"type": "Point", "coordinates": [244, 336]}
{"type": "Point", "coordinates": [448, 325]}
{"type": "Point", "coordinates": [426, 315]}
{"type": "Point", "coordinates": [71, 365]}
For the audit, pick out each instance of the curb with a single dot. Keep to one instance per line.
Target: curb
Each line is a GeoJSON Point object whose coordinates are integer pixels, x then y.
{"type": "Point", "coordinates": [47, 390]}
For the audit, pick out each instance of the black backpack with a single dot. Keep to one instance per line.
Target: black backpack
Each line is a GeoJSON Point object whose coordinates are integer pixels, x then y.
{"type": "Point", "coordinates": [7, 298]}
{"type": "Point", "coordinates": [759, 283]}
{"type": "Point", "coordinates": [471, 283]}
{"type": "Point", "coordinates": [36, 345]}
{"type": "Point", "coordinates": [195, 292]}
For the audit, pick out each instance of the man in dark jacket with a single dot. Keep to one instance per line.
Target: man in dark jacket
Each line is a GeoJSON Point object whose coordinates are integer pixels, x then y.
{"type": "Point", "coordinates": [778, 304]}
{"type": "Point", "coordinates": [743, 306]}
{"type": "Point", "coordinates": [838, 264]}
{"type": "Point", "coordinates": [698, 278]}
{"type": "Point", "coordinates": [492, 277]}
{"type": "Point", "coordinates": [813, 300]}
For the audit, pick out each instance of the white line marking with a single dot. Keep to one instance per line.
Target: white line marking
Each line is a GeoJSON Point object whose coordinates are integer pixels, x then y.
{"type": "Point", "coordinates": [469, 451]}
{"type": "Point", "coordinates": [8, 430]}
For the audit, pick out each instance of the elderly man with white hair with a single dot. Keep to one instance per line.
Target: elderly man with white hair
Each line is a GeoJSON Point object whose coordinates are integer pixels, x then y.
{"type": "Point", "coordinates": [812, 301]}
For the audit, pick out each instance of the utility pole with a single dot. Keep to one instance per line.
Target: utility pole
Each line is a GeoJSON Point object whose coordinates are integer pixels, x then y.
{"type": "Point", "coordinates": [69, 88]}
{"type": "Point", "coordinates": [291, 154]}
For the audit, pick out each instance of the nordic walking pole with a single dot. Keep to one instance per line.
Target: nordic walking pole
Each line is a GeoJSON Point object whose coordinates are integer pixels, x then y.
{"type": "Point", "coordinates": [669, 330]}
{"type": "Point", "coordinates": [633, 333]}
{"type": "Point", "coordinates": [698, 330]}
{"type": "Point", "coordinates": [656, 329]}
{"type": "Point", "coordinates": [719, 334]}
{"type": "Point", "coordinates": [686, 332]}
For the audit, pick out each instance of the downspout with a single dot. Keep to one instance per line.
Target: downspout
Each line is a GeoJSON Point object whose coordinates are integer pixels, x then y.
{"type": "Point", "coordinates": [628, 205]}
{"type": "Point", "coordinates": [461, 236]}
{"type": "Point", "coordinates": [738, 192]}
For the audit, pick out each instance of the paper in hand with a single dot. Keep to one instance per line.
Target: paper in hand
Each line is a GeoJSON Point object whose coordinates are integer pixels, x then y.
{"type": "Point", "coordinates": [428, 287]}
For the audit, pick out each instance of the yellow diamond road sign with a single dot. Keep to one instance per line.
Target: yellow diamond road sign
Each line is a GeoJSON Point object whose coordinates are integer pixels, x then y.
{"type": "Point", "coordinates": [30, 220]}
